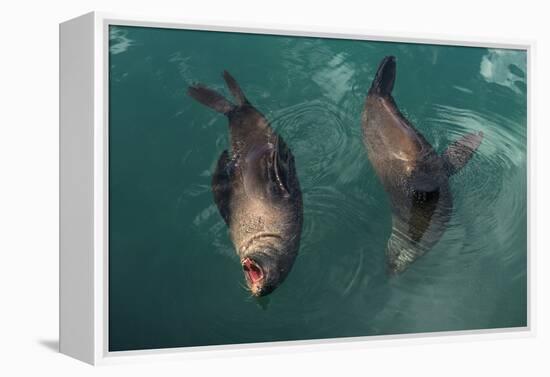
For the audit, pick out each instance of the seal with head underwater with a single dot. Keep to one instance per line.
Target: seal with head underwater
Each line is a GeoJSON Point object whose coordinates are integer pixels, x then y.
{"type": "Point", "coordinates": [256, 190]}
{"type": "Point", "coordinates": [415, 177]}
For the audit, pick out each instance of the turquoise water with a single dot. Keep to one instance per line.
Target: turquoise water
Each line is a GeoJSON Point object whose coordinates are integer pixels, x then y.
{"type": "Point", "coordinates": [175, 279]}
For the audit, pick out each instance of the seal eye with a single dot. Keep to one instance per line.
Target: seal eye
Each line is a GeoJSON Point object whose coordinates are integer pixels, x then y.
{"type": "Point", "coordinates": [253, 271]}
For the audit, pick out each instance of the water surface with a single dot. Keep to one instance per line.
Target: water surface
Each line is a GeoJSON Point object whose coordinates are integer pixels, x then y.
{"type": "Point", "coordinates": [175, 279]}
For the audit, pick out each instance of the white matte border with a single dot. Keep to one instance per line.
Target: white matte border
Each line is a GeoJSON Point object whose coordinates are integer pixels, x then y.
{"type": "Point", "coordinates": [101, 189]}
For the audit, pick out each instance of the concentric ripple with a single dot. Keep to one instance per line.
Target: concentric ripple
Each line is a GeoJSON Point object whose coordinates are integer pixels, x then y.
{"type": "Point", "coordinates": [322, 137]}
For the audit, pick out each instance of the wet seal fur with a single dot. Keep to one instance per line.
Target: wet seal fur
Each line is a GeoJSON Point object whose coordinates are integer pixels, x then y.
{"type": "Point", "coordinates": [412, 173]}
{"type": "Point", "coordinates": [256, 190]}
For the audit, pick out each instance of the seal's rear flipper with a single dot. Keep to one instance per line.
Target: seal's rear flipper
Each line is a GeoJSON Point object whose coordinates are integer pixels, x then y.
{"type": "Point", "coordinates": [460, 152]}
{"type": "Point", "coordinates": [234, 88]}
{"type": "Point", "coordinates": [210, 98]}
{"type": "Point", "coordinates": [382, 84]}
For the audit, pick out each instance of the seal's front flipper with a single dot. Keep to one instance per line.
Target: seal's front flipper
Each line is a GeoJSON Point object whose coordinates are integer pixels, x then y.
{"type": "Point", "coordinates": [269, 170]}
{"type": "Point", "coordinates": [460, 152]}
{"type": "Point", "coordinates": [210, 98]}
{"type": "Point", "coordinates": [221, 184]}
{"type": "Point", "coordinates": [282, 168]}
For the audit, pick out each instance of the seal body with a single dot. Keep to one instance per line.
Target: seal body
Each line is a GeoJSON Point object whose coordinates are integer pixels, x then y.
{"type": "Point", "coordinates": [415, 177]}
{"type": "Point", "coordinates": [256, 190]}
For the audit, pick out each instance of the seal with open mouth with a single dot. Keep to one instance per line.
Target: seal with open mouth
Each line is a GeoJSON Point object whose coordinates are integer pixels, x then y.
{"type": "Point", "coordinates": [412, 173]}
{"type": "Point", "coordinates": [256, 190]}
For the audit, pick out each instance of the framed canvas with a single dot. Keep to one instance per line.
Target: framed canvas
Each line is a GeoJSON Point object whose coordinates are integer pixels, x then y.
{"type": "Point", "coordinates": [231, 189]}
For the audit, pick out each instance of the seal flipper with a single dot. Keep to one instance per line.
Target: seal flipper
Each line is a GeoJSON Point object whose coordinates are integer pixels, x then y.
{"type": "Point", "coordinates": [384, 79]}
{"type": "Point", "coordinates": [211, 98]}
{"type": "Point", "coordinates": [235, 88]}
{"type": "Point", "coordinates": [460, 152]}
{"type": "Point", "coordinates": [283, 167]}
{"type": "Point", "coordinates": [269, 168]}
{"type": "Point", "coordinates": [221, 185]}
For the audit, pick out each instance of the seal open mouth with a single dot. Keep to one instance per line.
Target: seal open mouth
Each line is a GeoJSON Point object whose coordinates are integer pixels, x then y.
{"type": "Point", "coordinates": [253, 272]}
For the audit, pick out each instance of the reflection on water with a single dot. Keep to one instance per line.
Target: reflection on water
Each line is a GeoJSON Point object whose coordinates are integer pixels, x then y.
{"type": "Point", "coordinates": [504, 67]}
{"type": "Point", "coordinates": [175, 279]}
{"type": "Point", "coordinates": [118, 41]}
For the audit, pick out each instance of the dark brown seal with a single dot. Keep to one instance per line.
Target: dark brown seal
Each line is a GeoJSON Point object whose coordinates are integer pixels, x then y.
{"type": "Point", "coordinates": [412, 173]}
{"type": "Point", "coordinates": [256, 190]}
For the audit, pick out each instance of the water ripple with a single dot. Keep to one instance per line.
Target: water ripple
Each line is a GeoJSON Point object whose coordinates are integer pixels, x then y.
{"type": "Point", "coordinates": [118, 40]}
{"type": "Point", "coordinates": [323, 140]}
{"type": "Point", "coordinates": [506, 68]}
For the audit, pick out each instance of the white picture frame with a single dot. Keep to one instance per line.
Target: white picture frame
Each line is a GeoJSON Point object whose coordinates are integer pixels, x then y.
{"type": "Point", "coordinates": [84, 192]}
